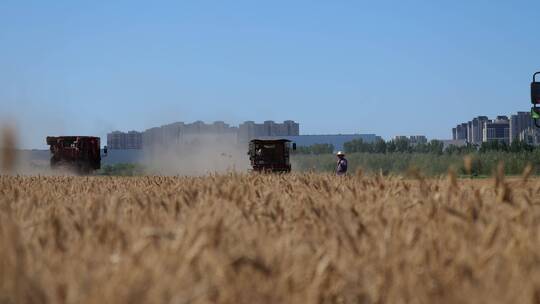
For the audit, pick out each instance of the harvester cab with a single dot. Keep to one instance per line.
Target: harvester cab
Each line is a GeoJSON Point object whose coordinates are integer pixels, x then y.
{"type": "Point", "coordinates": [79, 153]}
{"type": "Point", "coordinates": [270, 155]}
{"type": "Point", "coordinates": [535, 100]}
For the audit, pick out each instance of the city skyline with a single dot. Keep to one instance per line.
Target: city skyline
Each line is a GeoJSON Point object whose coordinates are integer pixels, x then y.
{"type": "Point", "coordinates": [516, 126]}
{"type": "Point", "coordinates": [453, 133]}
{"type": "Point", "coordinates": [522, 119]}
{"type": "Point", "coordinates": [504, 128]}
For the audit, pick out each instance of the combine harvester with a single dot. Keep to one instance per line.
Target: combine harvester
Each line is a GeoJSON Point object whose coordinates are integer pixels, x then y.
{"type": "Point", "coordinates": [80, 154]}
{"type": "Point", "coordinates": [270, 155]}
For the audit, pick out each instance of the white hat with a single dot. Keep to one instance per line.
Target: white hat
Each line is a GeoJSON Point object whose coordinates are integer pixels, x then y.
{"type": "Point", "coordinates": [340, 153]}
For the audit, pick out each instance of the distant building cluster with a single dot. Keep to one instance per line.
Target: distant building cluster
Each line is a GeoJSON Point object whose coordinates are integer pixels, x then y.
{"type": "Point", "coordinates": [170, 134]}
{"type": "Point", "coordinates": [250, 130]}
{"type": "Point", "coordinates": [121, 140]}
{"type": "Point", "coordinates": [482, 129]}
{"type": "Point", "coordinates": [180, 133]}
{"type": "Point", "coordinates": [189, 133]}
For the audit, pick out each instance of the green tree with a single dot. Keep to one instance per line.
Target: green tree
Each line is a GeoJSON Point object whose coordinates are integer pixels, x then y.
{"type": "Point", "coordinates": [380, 146]}
{"type": "Point", "coordinates": [493, 145]}
{"type": "Point", "coordinates": [435, 147]}
{"type": "Point", "coordinates": [520, 146]}
{"type": "Point", "coordinates": [391, 147]}
{"type": "Point", "coordinates": [402, 145]}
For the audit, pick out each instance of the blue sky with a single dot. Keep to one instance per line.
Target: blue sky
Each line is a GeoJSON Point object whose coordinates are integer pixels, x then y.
{"type": "Point", "coordinates": [384, 67]}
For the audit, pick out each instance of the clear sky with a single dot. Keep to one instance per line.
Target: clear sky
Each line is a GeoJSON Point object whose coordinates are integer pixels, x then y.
{"type": "Point", "coordinates": [384, 67]}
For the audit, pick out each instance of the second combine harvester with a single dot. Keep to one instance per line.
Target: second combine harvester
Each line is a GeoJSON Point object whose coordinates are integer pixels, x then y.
{"type": "Point", "coordinates": [270, 155]}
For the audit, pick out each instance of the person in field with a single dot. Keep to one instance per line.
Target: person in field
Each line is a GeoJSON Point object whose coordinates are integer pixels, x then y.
{"type": "Point", "coordinates": [341, 168]}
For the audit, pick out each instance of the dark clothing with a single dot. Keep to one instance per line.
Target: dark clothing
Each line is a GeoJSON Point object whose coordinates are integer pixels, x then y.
{"type": "Point", "coordinates": [341, 168]}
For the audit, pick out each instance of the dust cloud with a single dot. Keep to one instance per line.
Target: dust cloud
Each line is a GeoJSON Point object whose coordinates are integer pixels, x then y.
{"type": "Point", "coordinates": [201, 154]}
{"type": "Point", "coordinates": [204, 154]}
{"type": "Point", "coordinates": [15, 161]}
{"type": "Point", "coordinates": [8, 149]}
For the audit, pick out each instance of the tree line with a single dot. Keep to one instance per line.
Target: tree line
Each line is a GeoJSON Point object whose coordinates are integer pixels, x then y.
{"type": "Point", "coordinates": [393, 146]}
{"type": "Point", "coordinates": [433, 147]}
{"type": "Point", "coordinates": [405, 146]}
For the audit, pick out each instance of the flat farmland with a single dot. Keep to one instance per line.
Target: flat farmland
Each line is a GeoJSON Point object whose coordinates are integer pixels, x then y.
{"type": "Point", "coordinates": [299, 238]}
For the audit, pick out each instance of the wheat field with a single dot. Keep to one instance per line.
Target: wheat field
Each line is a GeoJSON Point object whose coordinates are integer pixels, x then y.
{"type": "Point", "coordinates": [239, 238]}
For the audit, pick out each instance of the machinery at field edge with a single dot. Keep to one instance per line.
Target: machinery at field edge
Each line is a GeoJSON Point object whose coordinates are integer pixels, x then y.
{"type": "Point", "coordinates": [270, 155]}
{"type": "Point", "coordinates": [81, 154]}
{"type": "Point", "coordinates": [535, 100]}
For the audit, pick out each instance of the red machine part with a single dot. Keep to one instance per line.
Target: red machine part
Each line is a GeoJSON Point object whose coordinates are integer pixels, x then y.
{"type": "Point", "coordinates": [81, 153]}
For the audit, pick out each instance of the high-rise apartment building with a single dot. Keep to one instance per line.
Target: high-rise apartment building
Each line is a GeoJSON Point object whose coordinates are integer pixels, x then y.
{"type": "Point", "coordinates": [478, 124]}
{"type": "Point", "coordinates": [460, 132]}
{"type": "Point", "coordinates": [121, 141]}
{"type": "Point", "coordinates": [530, 135]}
{"type": "Point", "coordinates": [249, 129]}
{"type": "Point", "coordinates": [469, 132]}
{"type": "Point", "coordinates": [498, 129]}
{"type": "Point", "coordinates": [401, 137]}
{"type": "Point", "coordinates": [518, 123]}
